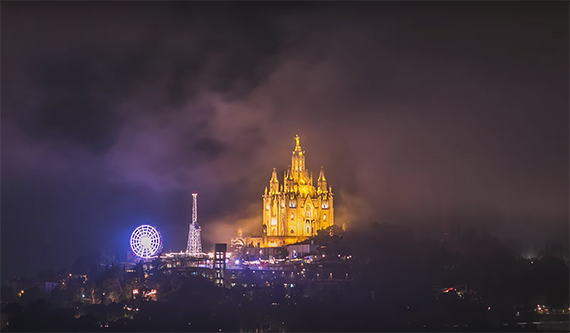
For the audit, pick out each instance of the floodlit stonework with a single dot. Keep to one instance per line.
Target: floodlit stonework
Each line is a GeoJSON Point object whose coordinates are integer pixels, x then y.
{"type": "Point", "coordinates": [295, 209]}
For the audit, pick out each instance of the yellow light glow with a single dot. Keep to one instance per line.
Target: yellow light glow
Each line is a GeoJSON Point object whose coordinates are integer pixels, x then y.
{"type": "Point", "coordinates": [302, 196]}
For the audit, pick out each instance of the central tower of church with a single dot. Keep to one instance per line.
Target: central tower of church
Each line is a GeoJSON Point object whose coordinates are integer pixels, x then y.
{"type": "Point", "coordinates": [295, 210]}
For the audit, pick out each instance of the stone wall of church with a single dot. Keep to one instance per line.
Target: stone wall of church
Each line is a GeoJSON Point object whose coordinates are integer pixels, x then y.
{"type": "Point", "coordinates": [297, 208]}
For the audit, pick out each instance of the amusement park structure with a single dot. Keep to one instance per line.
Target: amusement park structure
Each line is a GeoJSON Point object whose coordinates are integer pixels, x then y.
{"type": "Point", "coordinates": [146, 242]}
{"type": "Point", "coordinates": [194, 246]}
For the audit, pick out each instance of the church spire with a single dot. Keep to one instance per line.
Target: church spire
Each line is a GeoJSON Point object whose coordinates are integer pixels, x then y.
{"type": "Point", "coordinates": [297, 160]}
{"type": "Point", "coordinates": [274, 176]}
{"type": "Point", "coordinates": [274, 183]}
{"type": "Point", "coordinates": [322, 174]}
{"type": "Point", "coordinates": [322, 182]}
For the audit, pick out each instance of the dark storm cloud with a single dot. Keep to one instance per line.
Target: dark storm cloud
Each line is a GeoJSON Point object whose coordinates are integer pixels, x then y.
{"type": "Point", "coordinates": [114, 113]}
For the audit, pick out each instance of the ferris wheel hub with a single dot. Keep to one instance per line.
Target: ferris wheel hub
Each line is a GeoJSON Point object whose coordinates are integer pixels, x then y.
{"type": "Point", "coordinates": [146, 241]}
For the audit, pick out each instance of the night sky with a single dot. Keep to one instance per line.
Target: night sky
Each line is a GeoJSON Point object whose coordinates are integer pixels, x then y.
{"type": "Point", "coordinates": [114, 112]}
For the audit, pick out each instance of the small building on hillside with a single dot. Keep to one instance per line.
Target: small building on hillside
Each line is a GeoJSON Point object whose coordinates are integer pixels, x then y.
{"type": "Point", "coordinates": [46, 286]}
{"type": "Point", "coordinates": [300, 250]}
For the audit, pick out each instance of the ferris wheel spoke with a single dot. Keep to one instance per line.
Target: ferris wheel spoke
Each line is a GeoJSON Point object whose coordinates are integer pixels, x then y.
{"type": "Point", "coordinates": [146, 241]}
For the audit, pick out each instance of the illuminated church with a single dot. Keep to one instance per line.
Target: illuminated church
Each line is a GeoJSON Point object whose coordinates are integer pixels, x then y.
{"type": "Point", "coordinates": [295, 209]}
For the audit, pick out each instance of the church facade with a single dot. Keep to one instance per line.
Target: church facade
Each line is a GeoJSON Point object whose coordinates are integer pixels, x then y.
{"type": "Point", "coordinates": [295, 209]}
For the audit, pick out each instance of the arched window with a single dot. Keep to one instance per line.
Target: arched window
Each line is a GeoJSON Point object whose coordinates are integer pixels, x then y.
{"type": "Point", "coordinates": [292, 231]}
{"type": "Point", "coordinates": [308, 211]}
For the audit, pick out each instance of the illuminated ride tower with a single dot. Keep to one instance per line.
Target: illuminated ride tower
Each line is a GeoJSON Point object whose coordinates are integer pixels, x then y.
{"type": "Point", "coordinates": [194, 247]}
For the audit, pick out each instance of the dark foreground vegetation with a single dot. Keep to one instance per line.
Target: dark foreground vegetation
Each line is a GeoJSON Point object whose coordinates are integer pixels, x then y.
{"type": "Point", "coordinates": [396, 286]}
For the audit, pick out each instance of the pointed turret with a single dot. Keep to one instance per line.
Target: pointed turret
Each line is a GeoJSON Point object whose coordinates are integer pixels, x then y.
{"type": "Point", "coordinates": [322, 174]}
{"type": "Point", "coordinates": [322, 182]}
{"type": "Point", "coordinates": [288, 180]}
{"type": "Point", "coordinates": [274, 183]}
{"type": "Point", "coordinates": [274, 177]}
